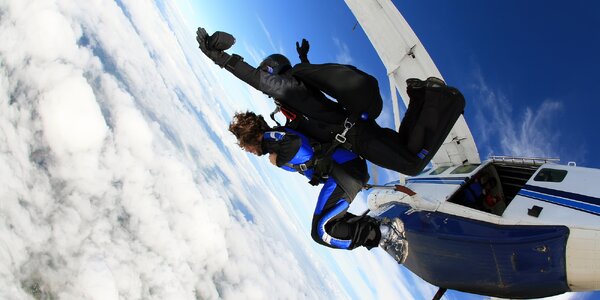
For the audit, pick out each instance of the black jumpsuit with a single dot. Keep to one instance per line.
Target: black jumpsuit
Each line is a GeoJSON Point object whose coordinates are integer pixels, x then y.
{"type": "Point", "coordinates": [321, 119]}
{"type": "Point", "coordinates": [332, 225]}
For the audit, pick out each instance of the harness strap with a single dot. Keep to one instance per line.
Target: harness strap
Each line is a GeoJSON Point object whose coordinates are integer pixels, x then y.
{"type": "Point", "coordinates": [301, 168]}
{"type": "Point", "coordinates": [321, 159]}
{"type": "Point", "coordinates": [321, 169]}
{"type": "Point", "coordinates": [339, 139]}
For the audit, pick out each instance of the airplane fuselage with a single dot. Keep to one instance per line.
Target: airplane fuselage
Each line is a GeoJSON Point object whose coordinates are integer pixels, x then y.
{"type": "Point", "coordinates": [506, 228]}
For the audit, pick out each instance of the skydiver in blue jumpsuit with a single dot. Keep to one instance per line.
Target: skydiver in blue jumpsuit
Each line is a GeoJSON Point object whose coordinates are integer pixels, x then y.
{"type": "Point", "coordinates": [343, 175]}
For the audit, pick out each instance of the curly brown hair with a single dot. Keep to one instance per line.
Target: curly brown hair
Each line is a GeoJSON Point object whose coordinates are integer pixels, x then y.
{"type": "Point", "coordinates": [247, 126]}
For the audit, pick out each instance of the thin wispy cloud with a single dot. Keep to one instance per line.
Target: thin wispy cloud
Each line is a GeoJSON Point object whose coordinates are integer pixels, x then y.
{"type": "Point", "coordinates": [256, 54]}
{"type": "Point", "coordinates": [343, 55]}
{"type": "Point", "coordinates": [532, 132]}
{"type": "Point", "coordinates": [267, 32]}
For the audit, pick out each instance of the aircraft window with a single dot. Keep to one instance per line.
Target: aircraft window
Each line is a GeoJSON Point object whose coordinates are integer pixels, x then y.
{"type": "Point", "coordinates": [464, 169]}
{"type": "Point", "coordinates": [551, 175]}
{"type": "Point", "coordinates": [439, 170]}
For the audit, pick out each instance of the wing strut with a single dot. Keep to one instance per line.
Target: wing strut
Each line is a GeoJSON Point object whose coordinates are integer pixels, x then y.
{"type": "Point", "coordinates": [440, 293]}
{"type": "Point", "coordinates": [404, 57]}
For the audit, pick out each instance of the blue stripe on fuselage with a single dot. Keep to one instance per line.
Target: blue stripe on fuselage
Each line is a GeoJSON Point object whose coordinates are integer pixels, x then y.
{"type": "Point", "coordinates": [575, 201]}
{"type": "Point", "coordinates": [563, 194]}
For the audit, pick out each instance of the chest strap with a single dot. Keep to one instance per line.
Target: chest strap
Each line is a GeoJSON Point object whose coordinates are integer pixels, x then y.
{"type": "Point", "coordinates": [301, 168]}
{"type": "Point", "coordinates": [321, 169]}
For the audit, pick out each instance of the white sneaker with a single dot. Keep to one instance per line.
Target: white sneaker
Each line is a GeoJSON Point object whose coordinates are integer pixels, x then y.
{"type": "Point", "coordinates": [393, 239]}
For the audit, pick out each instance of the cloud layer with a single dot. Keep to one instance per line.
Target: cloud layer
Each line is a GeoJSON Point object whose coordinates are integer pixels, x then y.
{"type": "Point", "coordinates": [119, 179]}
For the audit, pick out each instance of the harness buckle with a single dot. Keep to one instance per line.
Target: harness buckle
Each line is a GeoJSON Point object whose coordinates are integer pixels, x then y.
{"type": "Point", "coordinates": [347, 125]}
{"type": "Point", "coordinates": [303, 167]}
{"type": "Point", "coordinates": [340, 137]}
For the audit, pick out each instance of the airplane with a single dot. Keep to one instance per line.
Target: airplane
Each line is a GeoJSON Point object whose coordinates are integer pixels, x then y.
{"type": "Point", "coordinates": [534, 232]}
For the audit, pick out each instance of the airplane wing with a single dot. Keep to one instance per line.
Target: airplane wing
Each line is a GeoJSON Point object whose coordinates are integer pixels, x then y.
{"type": "Point", "coordinates": [405, 57]}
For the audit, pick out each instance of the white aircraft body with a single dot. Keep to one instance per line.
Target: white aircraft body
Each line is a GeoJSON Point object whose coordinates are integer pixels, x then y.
{"type": "Point", "coordinates": [507, 227]}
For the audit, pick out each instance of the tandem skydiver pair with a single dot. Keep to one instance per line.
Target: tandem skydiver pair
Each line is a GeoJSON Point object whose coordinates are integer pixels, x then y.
{"type": "Point", "coordinates": [328, 141]}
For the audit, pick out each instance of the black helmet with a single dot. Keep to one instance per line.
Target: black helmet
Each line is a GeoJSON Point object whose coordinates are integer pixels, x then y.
{"type": "Point", "coordinates": [275, 64]}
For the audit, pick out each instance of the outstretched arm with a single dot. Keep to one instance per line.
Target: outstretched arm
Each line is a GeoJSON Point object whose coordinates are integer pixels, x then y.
{"type": "Point", "coordinates": [233, 63]}
{"type": "Point", "coordinates": [272, 85]}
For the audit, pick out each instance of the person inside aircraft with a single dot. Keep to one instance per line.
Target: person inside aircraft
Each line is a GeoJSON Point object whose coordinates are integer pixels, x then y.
{"type": "Point", "coordinates": [493, 200]}
{"type": "Point", "coordinates": [483, 194]}
{"type": "Point", "coordinates": [342, 175]}
{"type": "Point", "coordinates": [348, 122]}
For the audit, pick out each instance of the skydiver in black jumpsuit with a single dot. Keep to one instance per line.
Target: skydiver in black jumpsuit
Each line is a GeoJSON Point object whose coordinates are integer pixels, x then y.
{"type": "Point", "coordinates": [300, 92]}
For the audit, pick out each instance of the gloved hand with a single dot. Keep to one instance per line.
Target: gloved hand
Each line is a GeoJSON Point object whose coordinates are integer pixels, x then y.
{"type": "Point", "coordinates": [218, 56]}
{"type": "Point", "coordinates": [303, 50]}
{"type": "Point", "coordinates": [220, 41]}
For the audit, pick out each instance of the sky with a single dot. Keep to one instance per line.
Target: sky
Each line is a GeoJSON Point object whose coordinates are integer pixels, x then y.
{"type": "Point", "coordinates": [525, 67]}
{"type": "Point", "coordinates": [120, 180]}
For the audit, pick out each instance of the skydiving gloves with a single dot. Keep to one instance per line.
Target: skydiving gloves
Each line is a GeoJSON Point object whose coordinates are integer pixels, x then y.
{"type": "Point", "coordinates": [303, 51]}
{"type": "Point", "coordinates": [213, 47]}
{"type": "Point", "coordinates": [220, 41]}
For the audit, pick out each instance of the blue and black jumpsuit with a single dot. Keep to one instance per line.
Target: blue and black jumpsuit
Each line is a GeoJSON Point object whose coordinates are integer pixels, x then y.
{"type": "Point", "coordinates": [332, 225]}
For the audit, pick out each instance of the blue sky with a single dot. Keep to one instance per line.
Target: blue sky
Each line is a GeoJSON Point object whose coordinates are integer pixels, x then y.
{"type": "Point", "coordinates": [534, 61]}
{"type": "Point", "coordinates": [537, 55]}
{"type": "Point", "coordinates": [526, 68]}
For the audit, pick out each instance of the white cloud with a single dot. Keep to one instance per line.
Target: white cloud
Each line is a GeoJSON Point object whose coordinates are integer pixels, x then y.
{"type": "Point", "coordinates": [119, 178]}
{"type": "Point", "coordinates": [530, 133]}
{"type": "Point", "coordinates": [72, 120]}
